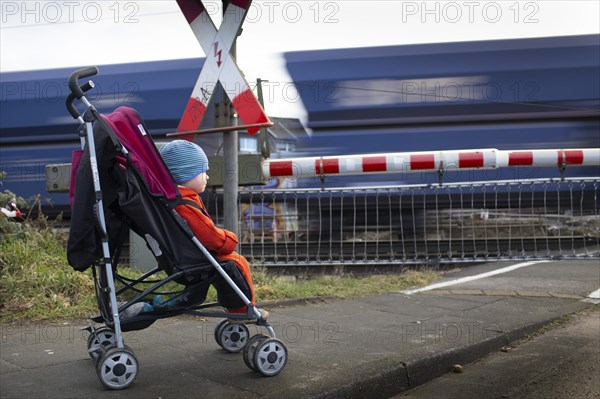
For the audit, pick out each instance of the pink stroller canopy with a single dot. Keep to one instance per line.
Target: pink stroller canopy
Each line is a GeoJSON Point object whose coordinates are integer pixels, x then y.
{"type": "Point", "coordinates": [133, 135]}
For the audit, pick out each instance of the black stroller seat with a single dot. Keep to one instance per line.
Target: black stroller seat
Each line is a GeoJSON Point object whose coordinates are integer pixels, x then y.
{"type": "Point", "coordinates": [120, 183]}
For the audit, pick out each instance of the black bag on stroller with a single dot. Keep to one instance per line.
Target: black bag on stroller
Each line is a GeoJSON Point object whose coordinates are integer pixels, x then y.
{"type": "Point", "coordinates": [122, 183]}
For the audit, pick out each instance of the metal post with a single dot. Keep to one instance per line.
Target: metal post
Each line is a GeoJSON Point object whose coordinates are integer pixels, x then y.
{"type": "Point", "coordinates": [230, 179]}
{"type": "Point", "coordinates": [230, 162]}
{"type": "Point", "coordinates": [263, 136]}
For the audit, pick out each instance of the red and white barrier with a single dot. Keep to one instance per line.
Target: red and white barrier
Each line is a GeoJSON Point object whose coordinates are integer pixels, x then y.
{"type": "Point", "coordinates": [405, 162]}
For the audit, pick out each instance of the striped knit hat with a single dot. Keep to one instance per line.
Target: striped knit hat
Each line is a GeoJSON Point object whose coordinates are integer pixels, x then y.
{"type": "Point", "coordinates": [184, 159]}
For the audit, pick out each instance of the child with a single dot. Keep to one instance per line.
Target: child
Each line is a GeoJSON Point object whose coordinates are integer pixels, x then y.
{"type": "Point", "coordinates": [188, 164]}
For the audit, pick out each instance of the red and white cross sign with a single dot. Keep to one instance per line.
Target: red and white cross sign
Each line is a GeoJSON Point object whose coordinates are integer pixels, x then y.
{"type": "Point", "coordinates": [219, 66]}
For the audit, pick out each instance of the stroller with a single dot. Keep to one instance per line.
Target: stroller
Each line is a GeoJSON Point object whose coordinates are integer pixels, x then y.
{"type": "Point", "coordinates": [119, 182]}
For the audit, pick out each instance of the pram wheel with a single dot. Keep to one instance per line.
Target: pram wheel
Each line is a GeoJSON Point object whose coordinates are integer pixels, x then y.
{"type": "Point", "coordinates": [250, 349]}
{"type": "Point", "coordinates": [270, 357]}
{"type": "Point", "coordinates": [99, 340]}
{"type": "Point", "coordinates": [117, 368]}
{"type": "Point", "coordinates": [218, 331]}
{"type": "Point", "coordinates": [232, 337]}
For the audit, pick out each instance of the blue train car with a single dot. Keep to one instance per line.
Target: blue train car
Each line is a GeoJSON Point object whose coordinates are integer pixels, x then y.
{"type": "Point", "coordinates": [535, 93]}
{"type": "Point", "coordinates": [508, 94]}
{"type": "Point", "coordinates": [36, 129]}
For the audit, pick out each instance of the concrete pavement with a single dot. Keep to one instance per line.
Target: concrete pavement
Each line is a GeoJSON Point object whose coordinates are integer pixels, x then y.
{"type": "Point", "coordinates": [563, 362]}
{"type": "Point", "coordinates": [367, 347]}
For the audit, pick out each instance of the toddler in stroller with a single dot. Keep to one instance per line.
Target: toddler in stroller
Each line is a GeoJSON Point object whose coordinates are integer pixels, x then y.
{"type": "Point", "coordinates": [188, 165]}
{"type": "Point", "coordinates": [120, 182]}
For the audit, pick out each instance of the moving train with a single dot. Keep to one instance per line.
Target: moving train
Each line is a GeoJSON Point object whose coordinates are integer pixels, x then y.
{"type": "Point", "coordinates": [537, 93]}
{"type": "Point", "coordinates": [507, 94]}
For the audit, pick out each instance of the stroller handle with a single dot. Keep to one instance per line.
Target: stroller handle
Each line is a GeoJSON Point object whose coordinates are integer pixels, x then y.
{"type": "Point", "coordinates": [80, 74]}
{"type": "Point", "coordinates": [71, 98]}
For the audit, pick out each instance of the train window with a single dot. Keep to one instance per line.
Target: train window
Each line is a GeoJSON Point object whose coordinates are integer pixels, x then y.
{"type": "Point", "coordinates": [283, 146]}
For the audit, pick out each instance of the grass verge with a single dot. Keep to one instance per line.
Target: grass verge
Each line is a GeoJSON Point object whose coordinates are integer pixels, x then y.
{"type": "Point", "coordinates": [35, 280]}
{"type": "Point", "coordinates": [38, 284]}
{"type": "Point", "coordinates": [270, 287]}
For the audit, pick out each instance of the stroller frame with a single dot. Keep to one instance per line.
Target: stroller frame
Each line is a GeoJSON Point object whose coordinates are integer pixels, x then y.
{"type": "Point", "coordinates": [116, 364]}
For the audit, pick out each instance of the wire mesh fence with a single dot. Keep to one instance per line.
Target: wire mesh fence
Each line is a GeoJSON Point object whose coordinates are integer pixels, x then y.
{"type": "Point", "coordinates": [460, 222]}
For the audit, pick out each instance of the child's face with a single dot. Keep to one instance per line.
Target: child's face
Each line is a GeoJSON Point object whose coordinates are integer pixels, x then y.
{"type": "Point", "coordinates": [198, 183]}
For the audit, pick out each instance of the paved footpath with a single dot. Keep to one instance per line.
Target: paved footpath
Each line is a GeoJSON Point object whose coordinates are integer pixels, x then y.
{"type": "Point", "coordinates": [367, 347]}
{"type": "Point", "coordinates": [563, 362]}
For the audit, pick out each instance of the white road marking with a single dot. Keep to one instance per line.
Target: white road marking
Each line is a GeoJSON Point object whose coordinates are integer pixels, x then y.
{"type": "Point", "coordinates": [594, 297]}
{"type": "Point", "coordinates": [471, 278]}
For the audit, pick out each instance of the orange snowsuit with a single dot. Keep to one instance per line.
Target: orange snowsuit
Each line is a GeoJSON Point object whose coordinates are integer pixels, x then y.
{"type": "Point", "coordinates": [218, 241]}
